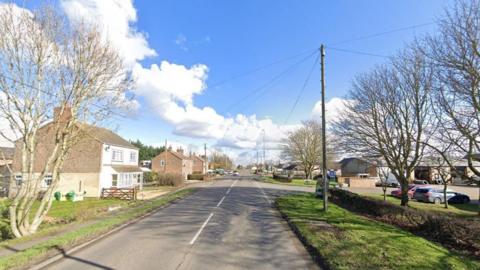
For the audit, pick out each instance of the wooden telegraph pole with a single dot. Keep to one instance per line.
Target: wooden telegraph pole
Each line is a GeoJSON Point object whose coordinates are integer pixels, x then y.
{"type": "Point", "coordinates": [324, 148]}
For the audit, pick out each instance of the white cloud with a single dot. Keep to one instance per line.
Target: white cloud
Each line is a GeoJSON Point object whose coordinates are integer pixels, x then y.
{"type": "Point", "coordinates": [115, 17]}
{"type": "Point", "coordinates": [333, 108]}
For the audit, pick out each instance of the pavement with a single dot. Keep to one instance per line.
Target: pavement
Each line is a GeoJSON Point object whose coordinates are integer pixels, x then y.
{"type": "Point", "coordinates": [230, 224]}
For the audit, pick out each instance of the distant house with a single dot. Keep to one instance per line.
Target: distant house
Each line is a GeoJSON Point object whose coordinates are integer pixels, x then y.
{"type": "Point", "coordinates": [355, 166]}
{"type": "Point", "coordinates": [100, 159]}
{"type": "Point", "coordinates": [199, 164]}
{"type": "Point", "coordinates": [173, 162]}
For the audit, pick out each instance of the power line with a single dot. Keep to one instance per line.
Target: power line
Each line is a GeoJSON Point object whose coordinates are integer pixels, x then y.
{"type": "Point", "coordinates": [357, 52]}
{"type": "Point", "coordinates": [263, 89]}
{"type": "Point", "coordinates": [243, 74]}
{"type": "Point", "coordinates": [302, 89]}
{"type": "Point", "coordinates": [382, 33]}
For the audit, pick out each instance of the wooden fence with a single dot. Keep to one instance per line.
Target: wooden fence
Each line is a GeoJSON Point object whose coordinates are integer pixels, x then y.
{"type": "Point", "coordinates": [120, 193]}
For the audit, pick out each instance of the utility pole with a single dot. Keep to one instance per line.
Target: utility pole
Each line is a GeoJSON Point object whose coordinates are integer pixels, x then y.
{"type": "Point", "coordinates": [324, 148]}
{"type": "Point", "coordinates": [205, 157]}
{"type": "Point", "coordinates": [264, 161]}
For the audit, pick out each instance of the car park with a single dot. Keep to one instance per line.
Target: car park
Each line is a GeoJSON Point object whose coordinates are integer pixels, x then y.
{"type": "Point", "coordinates": [459, 198]}
{"type": "Point", "coordinates": [432, 195]}
{"type": "Point", "coordinates": [411, 190]}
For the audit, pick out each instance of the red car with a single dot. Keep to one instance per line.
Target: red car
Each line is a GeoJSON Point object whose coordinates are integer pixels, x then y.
{"type": "Point", "coordinates": [411, 189]}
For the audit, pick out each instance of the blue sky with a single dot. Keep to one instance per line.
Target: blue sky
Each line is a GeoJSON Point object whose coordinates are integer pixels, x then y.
{"type": "Point", "coordinates": [233, 37]}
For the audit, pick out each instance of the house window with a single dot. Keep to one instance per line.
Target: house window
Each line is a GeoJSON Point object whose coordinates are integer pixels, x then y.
{"type": "Point", "coordinates": [114, 180]}
{"type": "Point", "coordinates": [18, 180]}
{"type": "Point", "coordinates": [117, 155]}
{"type": "Point", "coordinates": [47, 180]}
{"type": "Point", "coordinates": [133, 156]}
{"type": "Point", "coordinates": [162, 162]}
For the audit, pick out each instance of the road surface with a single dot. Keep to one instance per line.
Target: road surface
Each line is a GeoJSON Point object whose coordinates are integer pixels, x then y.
{"type": "Point", "coordinates": [229, 224]}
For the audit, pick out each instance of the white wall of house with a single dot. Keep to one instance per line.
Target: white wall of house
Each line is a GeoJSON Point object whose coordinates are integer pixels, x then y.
{"type": "Point", "coordinates": [116, 156]}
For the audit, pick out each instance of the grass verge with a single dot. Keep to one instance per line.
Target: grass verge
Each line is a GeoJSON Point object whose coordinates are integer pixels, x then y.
{"type": "Point", "coordinates": [69, 239]}
{"type": "Point", "coordinates": [340, 239]}
{"type": "Point", "coordinates": [295, 182]}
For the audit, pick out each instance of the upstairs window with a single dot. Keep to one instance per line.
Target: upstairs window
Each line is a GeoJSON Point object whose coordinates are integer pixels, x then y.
{"type": "Point", "coordinates": [162, 162]}
{"type": "Point", "coordinates": [133, 156]}
{"type": "Point", "coordinates": [117, 155]}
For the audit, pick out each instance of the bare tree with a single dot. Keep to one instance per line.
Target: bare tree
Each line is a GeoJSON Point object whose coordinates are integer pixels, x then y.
{"type": "Point", "coordinates": [389, 112]}
{"type": "Point", "coordinates": [47, 63]}
{"type": "Point", "coordinates": [455, 53]}
{"type": "Point", "coordinates": [304, 145]}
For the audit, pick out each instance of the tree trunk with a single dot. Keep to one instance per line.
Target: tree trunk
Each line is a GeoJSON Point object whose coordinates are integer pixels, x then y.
{"type": "Point", "coordinates": [445, 193]}
{"type": "Point", "coordinates": [404, 187]}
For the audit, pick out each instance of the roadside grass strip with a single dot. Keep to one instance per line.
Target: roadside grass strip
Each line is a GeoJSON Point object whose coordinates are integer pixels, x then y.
{"type": "Point", "coordinates": [63, 242]}
{"type": "Point", "coordinates": [340, 239]}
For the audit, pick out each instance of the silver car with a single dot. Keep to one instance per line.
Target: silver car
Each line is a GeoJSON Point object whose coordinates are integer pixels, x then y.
{"type": "Point", "coordinates": [432, 195]}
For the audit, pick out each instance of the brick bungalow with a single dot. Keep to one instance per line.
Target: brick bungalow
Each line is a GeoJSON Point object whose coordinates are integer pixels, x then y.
{"type": "Point", "coordinates": [100, 159]}
{"type": "Point", "coordinates": [173, 162]}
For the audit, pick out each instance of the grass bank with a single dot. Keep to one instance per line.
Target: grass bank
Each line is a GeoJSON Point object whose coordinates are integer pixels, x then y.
{"type": "Point", "coordinates": [467, 210]}
{"type": "Point", "coordinates": [343, 240]}
{"type": "Point", "coordinates": [72, 238]}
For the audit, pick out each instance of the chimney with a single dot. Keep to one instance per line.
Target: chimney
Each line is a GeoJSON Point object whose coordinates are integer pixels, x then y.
{"type": "Point", "coordinates": [170, 148]}
{"type": "Point", "coordinates": [180, 150]}
{"type": "Point", "coordinates": [64, 117]}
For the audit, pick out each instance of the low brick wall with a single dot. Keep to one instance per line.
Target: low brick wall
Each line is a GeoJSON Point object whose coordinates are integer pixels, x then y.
{"type": "Point", "coordinates": [359, 182]}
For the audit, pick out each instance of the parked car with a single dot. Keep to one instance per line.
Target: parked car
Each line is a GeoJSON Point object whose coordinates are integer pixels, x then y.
{"type": "Point", "coordinates": [236, 174]}
{"type": "Point", "coordinates": [420, 182]}
{"type": "Point", "coordinates": [432, 195]}
{"type": "Point", "coordinates": [411, 189]}
{"type": "Point", "coordinates": [459, 198]}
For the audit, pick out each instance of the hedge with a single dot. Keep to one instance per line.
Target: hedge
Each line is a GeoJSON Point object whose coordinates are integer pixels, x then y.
{"type": "Point", "coordinates": [282, 178]}
{"type": "Point", "coordinates": [462, 235]}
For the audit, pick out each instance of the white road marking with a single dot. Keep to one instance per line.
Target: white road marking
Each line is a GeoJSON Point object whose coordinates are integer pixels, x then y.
{"type": "Point", "coordinates": [201, 229]}
{"type": "Point", "coordinates": [220, 202]}
{"type": "Point", "coordinates": [263, 192]}
{"type": "Point", "coordinates": [233, 184]}
{"type": "Point", "coordinates": [228, 191]}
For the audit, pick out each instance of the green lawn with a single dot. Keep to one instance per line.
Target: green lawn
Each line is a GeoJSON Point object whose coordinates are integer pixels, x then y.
{"type": "Point", "coordinates": [29, 256]}
{"type": "Point", "coordinates": [348, 241]}
{"type": "Point", "coordinates": [460, 210]}
{"type": "Point", "coordinates": [295, 182]}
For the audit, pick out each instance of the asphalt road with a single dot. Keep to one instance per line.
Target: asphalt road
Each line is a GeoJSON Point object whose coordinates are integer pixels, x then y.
{"type": "Point", "coordinates": [227, 225]}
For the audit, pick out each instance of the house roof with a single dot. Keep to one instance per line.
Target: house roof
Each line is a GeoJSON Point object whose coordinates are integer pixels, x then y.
{"type": "Point", "coordinates": [199, 158]}
{"type": "Point", "coordinates": [178, 155]}
{"type": "Point", "coordinates": [106, 136]}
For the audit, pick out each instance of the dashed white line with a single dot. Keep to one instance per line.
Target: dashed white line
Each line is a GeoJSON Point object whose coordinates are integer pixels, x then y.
{"type": "Point", "coordinates": [201, 229]}
{"type": "Point", "coordinates": [220, 202]}
{"type": "Point", "coordinates": [228, 191]}
{"type": "Point", "coordinates": [263, 192]}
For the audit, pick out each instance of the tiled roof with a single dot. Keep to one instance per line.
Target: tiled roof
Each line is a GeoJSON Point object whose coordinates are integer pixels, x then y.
{"type": "Point", "coordinates": [106, 136]}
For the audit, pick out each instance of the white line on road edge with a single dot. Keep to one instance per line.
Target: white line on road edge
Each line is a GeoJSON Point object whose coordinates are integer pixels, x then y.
{"type": "Point", "coordinates": [220, 202]}
{"type": "Point", "coordinates": [201, 229]}
{"type": "Point", "coordinates": [263, 192]}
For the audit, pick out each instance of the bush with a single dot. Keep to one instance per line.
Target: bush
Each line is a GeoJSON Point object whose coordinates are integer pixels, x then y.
{"type": "Point", "coordinates": [460, 234]}
{"type": "Point", "coordinates": [150, 177]}
{"type": "Point", "coordinates": [196, 176]}
{"type": "Point", "coordinates": [170, 179]}
{"type": "Point", "coordinates": [282, 178]}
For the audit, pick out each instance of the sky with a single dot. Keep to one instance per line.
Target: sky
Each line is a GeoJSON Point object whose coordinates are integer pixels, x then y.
{"type": "Point", "coordinates": [228, 73]}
